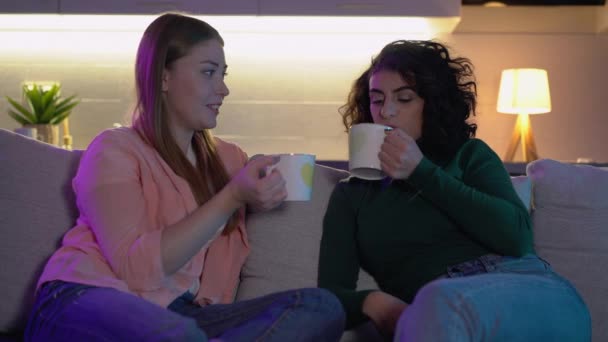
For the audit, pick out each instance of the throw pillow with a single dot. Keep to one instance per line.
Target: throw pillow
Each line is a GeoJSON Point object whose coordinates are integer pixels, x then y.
{"type": "Point", "coordinates": [571, 229]}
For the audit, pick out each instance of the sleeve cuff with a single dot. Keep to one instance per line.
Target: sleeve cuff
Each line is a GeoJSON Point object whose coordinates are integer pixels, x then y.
{"type": "Point", "coordinates": [353, 305]}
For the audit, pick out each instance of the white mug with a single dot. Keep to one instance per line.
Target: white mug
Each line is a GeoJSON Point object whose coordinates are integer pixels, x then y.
{"type": "Point", "coordinates": [364, 142]}
{"type": "Point", "coordinates": [298, 170]}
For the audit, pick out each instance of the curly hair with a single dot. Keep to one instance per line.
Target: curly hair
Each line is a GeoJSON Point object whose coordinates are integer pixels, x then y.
{"type": "Point", "coordinates": [446, 84]}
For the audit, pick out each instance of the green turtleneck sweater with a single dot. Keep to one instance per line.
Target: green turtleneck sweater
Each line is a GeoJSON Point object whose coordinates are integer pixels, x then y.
{"type": "Point", "coordinates": [405, 233]}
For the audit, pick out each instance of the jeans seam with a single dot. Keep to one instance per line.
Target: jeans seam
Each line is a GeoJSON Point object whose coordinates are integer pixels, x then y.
{"type": "Point", "coordinates": [288, 310]}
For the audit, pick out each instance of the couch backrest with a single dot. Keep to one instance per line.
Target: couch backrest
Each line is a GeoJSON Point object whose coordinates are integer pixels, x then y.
{"type": "Point", "coordinates": [36, 208]}
{"type": "Point", "coordinates": [571, 230]}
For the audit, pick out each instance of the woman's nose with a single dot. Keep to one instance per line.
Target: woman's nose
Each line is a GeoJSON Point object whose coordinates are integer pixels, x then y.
{"type": "Point", "coordinates": [223, 89]}
{"type": "Point", "coordinates": [388, 111]}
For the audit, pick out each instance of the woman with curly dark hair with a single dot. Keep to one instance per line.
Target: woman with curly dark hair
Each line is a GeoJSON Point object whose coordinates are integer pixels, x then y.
{"type": "Point", "coordinates": [445, 235]}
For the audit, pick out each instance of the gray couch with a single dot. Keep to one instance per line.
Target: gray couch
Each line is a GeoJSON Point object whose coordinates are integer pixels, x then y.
{"type": "Point", "coordinates": [570, 213]}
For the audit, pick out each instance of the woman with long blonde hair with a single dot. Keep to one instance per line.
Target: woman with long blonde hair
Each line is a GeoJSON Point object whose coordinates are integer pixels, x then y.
{"type": "Point", "coordinates": [160, 240]}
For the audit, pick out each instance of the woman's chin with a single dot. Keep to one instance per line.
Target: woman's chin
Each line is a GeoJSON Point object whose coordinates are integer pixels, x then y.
{"type": "Point", "coordinates": [209, 124]}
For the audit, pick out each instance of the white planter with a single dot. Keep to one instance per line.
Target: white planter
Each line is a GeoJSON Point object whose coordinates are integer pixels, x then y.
{"type": "Point", "coordinates": [30, 132]}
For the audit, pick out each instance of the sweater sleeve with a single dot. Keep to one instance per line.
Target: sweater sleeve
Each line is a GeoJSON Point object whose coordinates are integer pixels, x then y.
{"type": "Point", "coordinates": [110, 198]}
{"type": "Point", "coordinates": [484, 203]}
{"type": "Point", "coordinates": [338, 260]}
{"type": "Point", "coordinates": [233, 157]}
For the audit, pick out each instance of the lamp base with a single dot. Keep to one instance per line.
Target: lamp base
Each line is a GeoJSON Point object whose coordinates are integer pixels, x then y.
{"type": "Point", "coordinates": [522, 133]}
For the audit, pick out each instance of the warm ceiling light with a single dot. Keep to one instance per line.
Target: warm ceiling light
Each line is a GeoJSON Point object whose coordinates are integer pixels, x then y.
{"type": "Point", "coordinates": [95, 37]}
{"type": "Point", "coordinates": [247, 24]}
{"type": "Point", "coordinates": [494, 4]}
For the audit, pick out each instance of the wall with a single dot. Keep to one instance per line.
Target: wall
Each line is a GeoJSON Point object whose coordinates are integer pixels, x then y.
{"type": "Point", "coordinates": [286, 89]}
{"type": "Point", "coordinates": [575, 65]}
{"type": "Point", "coordinates": [602, 19]}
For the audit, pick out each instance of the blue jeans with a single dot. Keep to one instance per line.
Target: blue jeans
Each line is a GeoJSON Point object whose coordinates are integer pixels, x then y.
{"type": "Point", "coordinates": [506, 299]}
{"type": "Point", "coordinates": [75, 312]}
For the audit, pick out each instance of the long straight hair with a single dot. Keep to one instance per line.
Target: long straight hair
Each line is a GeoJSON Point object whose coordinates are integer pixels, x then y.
{"type": "Point", "coordinates": [168, 38]}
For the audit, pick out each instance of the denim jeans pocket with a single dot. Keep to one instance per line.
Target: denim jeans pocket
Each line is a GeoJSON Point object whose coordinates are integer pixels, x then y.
{"type": "Point", "coordinates": [50, 290]}
{"type": "Point", "coordinates": [527, 264]}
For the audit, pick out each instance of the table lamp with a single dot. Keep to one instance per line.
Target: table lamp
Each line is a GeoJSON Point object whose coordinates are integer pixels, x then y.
{"type": "Point", "coordinates": [523, 92]}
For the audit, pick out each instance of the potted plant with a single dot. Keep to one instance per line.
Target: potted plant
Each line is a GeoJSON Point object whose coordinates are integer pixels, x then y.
{"type": "Point", "coordinates": [46, 110]}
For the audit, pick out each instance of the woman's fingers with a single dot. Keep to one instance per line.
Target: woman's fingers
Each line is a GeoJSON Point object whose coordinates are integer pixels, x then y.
{"type": "Point", "coordinates": [270, 190]}
{"type": "Point", "coordinates": [397, 138]}
{"type": "Point", "coordinates": [387, 162]}
{"type": "Point", "coordinates": [399, 154]}
{"type": "Point", "coordinates": [260, 163]}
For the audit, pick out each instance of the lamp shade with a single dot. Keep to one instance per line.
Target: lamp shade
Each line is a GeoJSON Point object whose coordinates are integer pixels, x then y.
{"type": "Point", "coordinates": [524, 91]}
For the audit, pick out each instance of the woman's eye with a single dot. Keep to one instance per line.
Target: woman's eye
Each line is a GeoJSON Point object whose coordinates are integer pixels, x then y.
{"type": "Point", "coordinates": [405, 100]}
{"type": "Point", "coordinates": [376, 101]}
{"type": "Point", "coordinates": [208, 73]}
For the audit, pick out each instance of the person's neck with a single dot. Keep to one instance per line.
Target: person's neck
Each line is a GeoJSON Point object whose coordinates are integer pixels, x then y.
{"type": "Point", "coordinates": [182, 137]}
{"type": "Point", "coordinates": [190, 155]}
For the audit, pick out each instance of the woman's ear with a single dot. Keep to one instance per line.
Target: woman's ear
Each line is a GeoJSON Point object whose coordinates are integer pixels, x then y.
{"type": "Point", "coordinates": [165, 81]}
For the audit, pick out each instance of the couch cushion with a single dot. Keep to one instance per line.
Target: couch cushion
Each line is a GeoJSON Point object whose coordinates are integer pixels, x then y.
{"type": "Point", "coordinates": [285, 242]}
{"type": "Point", "coordinates": [36, 208]}
{"type": "Point", "coordinates": [571, 230]}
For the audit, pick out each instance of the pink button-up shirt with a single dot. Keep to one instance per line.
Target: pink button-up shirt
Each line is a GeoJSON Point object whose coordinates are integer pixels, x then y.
{"type": "Point", "coordinates": [127, 195]}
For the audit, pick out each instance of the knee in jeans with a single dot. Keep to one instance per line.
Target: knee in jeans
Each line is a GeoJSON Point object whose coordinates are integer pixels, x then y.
{"type": "Point", "coordinates": [437, 304]}
{"type": "Point", "coordinates": [324, 302]}
{"type": "Point", "coordinates": [322, 298]}
{"type": "Point", "coordinates": [437, 298]}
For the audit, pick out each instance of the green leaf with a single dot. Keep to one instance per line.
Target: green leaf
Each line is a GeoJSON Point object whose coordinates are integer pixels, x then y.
{"type": "Point", "coordinates": [22, 110]}
{"type": "Point", "coordinates": [20, 119]}
{"type": "Point", "coordinates": [49, 113]}
{"type": "Point", "coordinates": [57, 120]}
{"type": "Point", "coordinates": [50, 96]}
{"type": "Point", "coordinates": [67, 103]}
{"type": "Point", "coordinates": [66, 109]}
{"type": "Point", "coordinates": [34, 96]}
